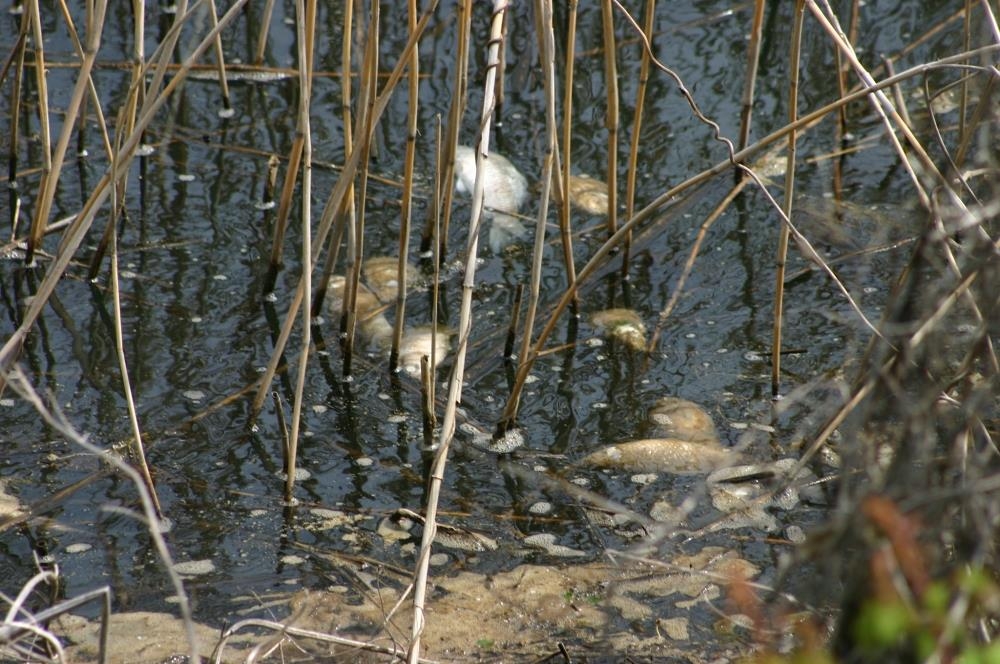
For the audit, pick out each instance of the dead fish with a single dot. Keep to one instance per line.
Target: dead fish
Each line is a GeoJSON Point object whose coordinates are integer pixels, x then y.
{"type": "Point", "coordinates": [381, 275]}
{"type": "Point", "coordinates": [660, 455]}
{"type": "Point", "coordinates": [625, 325]}
{"type": "Point", "coordinates": [336, 293]}
{"type": "Point", "coordinates": [505, 190]}
{"type": "Point", "coordinates": [418, 342]}
{"type": "Point", "coordinates": [738, 487]}
{"type": "Point", "coordinates": [451, 536]}
{"type": "Point", "coordinates": [684, 420]}
{"type": "Point", "coordinates": [373, 326]}
{"type": "Point", "coordinates": [588, 194]}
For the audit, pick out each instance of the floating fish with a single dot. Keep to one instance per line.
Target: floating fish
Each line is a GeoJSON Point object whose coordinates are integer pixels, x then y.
{"type": "Point", "coordinates": [399, 525]}
{"type": "Point", "coordinates": [588, 194]}
{"type": "Point", "coordinates": [373, 326]}
{"type": "Point", "coordinates": [418, 342]}
{"type": "Point", "coordinates": [625, 325]}
{"type": "Point", "coordinates": [684, 420]}
{"type": "Point", "coordinates": [504, 192]}
{"type": "Point", "coordinates": [381, 275]}
{"type": "Point", "coordinates": [656, 455]}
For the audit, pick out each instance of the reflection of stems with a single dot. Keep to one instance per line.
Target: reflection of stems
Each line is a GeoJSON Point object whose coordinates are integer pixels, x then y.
{"type": "Point", "coordinates": [464, 329]}
{"type": "Point", "coordinates": [331, 213]}
{"type": "Point", "coordinates": [407, 210]}
{"type": "Point", "coordinates": [18, 382]}
{"type": "Point", "coordinates": [546, 39]}
{"type": "Point", "coordinates": [753, 62]}
{"type": "Point", "coordinates": [75, 234]}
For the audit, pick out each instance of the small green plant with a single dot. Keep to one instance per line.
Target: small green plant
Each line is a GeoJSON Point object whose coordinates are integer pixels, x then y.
{"type": "Point", "coordinates": [935, 623]}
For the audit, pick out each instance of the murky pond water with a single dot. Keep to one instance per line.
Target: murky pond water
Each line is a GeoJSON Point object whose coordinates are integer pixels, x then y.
{"type": "Point", "coordinates": [199, 329]}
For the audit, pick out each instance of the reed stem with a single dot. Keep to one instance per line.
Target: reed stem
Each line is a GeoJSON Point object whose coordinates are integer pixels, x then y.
{"type": "Point", "coordinates": [783, 234]}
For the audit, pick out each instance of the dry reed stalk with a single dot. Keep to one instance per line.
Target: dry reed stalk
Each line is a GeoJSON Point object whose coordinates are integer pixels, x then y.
{"type": "Point", "coordinates": [220, 61]}
{"type": "Point", "coordinates": [12, 628]}
{"type": "Point", "coordinates": [712, 217]}
{"type": "Point", "coordinates": [963, 99]}
{"type": "Point", "coordinates": [983, 108]}
{"type": "Point", "coordinates": [366, 125]}
{"type": "Point", "coordinates": [284, 212]}
{"type": "Point", "coordinates": [126, 120]}
{"type": "Point", "coordinates": [501, 81]}
{"type": "Point", "coordinates": [640, 105]}
{"type": "Point", "coordinates": [333, 253]}
{"type": "Point", "coordinates": [456, 111]}
{"type": "Point", "coordinates": [464, 329]}
{"type": "Point", "coordinates": [739, 157]}
{"type": "Point", "coordinates": [265, 22]}
{"type": "Point", "coordinates": [885, 109]}
{"type": "Point", "coordinates": [81, 53]}
{"type": "Point", "coordinates": [750, 81]}
{"type": "Point", "coordinates": [350, 209]}
{"type": "Point", "coordinates": [19, 382]}
{"type": "Point", "coordinates": [283, 629]}
{"type": "Point", "coordinates": [406, 213]}
{"type": "Point", "coordinates": [332, 213]}
{"type": "Point", "coordinates": [565, 209]}
{"type": "Point", "coordinates": [891, 118]}
{"type": "Point", "coordinates": [427, 397]}
{"type": "Point", "coordinates": [795, 52]}
{"type": "Point", "coordinates": [286, 445]}
{"type": "Point", "coordinates": [547, 57]}
{"type": "Point", "coordinates": [436, 258]}
{"type": "Point", "coordinates": [46, 186]}
{"type": "Point", "coordinates": [305, 12]}
{"type": "Point", "coordinates": [611, 81]}
{"type": "Point", "coordinates": [76, 232]}
{"type": "Point", "coordinates": [271, 180]}
{"type": "Point", "coordinates": [840, 127]}
{"type": "Point", "coordinates": [136, 441]}
{"type": "Point", "coordinates": [15, 60]}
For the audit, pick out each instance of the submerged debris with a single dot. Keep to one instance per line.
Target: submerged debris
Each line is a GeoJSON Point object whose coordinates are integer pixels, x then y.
{"type": "Point", "coordinates": [660, 455]}
{"type": "Point", "coordinates": [547, 542]}
{"type": "Point", "coordinates": [504, 192]}
{"type": "Point", "coordinates": [511, 440]}
{"type": "Point", "coordinates": [625, 325]}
